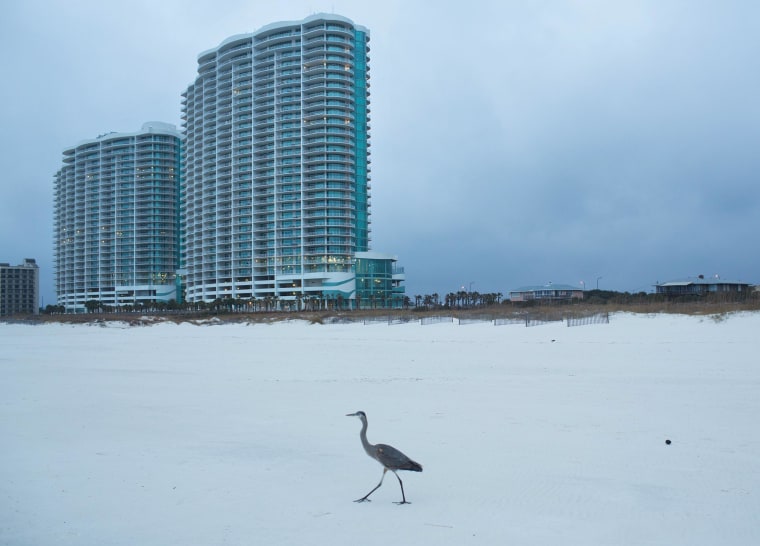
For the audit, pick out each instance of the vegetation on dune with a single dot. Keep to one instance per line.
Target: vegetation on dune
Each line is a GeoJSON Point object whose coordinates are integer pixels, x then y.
{"type": "Point", "coordinates": [462, 306]}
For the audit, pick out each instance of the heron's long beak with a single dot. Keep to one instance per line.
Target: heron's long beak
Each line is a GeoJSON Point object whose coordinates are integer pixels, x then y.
{"type": "Point", "coordinates": [350, 415]}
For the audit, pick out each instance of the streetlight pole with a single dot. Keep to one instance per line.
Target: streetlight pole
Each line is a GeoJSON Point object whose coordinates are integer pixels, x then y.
{"type": "Point", "coordinates": [597, 282]}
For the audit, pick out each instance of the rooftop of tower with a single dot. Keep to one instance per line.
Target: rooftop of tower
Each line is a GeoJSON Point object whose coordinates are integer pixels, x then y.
{"type": "Point", "coordinates": [158, 127]}
{"type": "Point", "coordinates": [281, 24]}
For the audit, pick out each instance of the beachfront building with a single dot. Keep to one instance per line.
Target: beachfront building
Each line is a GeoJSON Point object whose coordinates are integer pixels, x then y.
{"type": "Point", "coordinates": [379, 281]}
{"type": "Point", "coordinates": [276, 192]}
{"type": "Point", "coordinates": [547, 292]}
{"type": "Point", "coordinates": [19, 288]}
{"type": "Point", "coordinates": [700, 286]}
{"type": "Point", "coordinates": [116, 219]}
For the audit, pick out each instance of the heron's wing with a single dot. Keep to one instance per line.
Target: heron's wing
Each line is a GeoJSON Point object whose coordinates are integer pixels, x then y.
{"type": "Point", "coordinates": [392, 458]}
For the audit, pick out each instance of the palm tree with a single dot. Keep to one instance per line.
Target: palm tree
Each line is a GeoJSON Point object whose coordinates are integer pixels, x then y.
{"type": "Point", "coordinates": [461, 298]}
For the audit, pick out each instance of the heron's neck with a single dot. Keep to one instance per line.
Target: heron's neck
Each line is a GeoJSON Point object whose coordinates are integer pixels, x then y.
{"type": "Point", "coordinates": [363, 435]}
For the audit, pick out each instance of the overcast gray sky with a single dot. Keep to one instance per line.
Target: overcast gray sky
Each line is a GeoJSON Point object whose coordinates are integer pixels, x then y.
{"type": "Point", "coordinates": [514, 142]}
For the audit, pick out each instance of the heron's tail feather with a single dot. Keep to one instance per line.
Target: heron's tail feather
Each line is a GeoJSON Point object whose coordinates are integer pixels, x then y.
{"type": "Point", "coordinates": [413, 466]}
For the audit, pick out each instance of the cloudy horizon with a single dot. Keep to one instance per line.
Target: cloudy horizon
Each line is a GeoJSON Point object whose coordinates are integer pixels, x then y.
{"type": "Point", "coordinates": [512, 143]}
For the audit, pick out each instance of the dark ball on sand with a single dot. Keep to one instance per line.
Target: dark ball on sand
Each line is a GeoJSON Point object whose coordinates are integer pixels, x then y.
{"type": "Point", "coordinates": [667, 442]}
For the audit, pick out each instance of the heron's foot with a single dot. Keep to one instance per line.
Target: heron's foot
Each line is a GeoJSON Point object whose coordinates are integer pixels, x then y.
{"type": "Point", "coordinates": [363, 499]}
{"type": "Point", "coordinates": [402, 502]}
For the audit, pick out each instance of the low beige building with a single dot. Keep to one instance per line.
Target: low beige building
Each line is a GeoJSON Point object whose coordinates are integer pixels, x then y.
{"type": "Point", "coordinates": [19, 288]}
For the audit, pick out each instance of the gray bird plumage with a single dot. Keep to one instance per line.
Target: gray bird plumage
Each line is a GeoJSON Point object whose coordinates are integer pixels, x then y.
{"type": "Point", "coordinates": [388, 456]}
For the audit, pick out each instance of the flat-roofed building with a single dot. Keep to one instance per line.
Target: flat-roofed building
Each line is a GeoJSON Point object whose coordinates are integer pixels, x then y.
{"type": "Point", "coordinates": [700, 286]}
{"type": "Point", "coordinates": [19, 288]}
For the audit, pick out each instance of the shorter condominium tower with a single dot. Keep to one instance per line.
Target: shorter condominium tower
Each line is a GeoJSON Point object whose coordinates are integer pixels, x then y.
{"type": "Point", "coordinates": [116, 219]}
{"type": "Point", "coordinates": [19, 288]}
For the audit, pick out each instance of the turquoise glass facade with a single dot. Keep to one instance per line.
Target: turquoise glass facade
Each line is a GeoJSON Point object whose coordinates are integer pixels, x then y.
{"type": "Point", "coordinates": [361, 114]}
{"type": "Point", "coordinates": [378, 281]}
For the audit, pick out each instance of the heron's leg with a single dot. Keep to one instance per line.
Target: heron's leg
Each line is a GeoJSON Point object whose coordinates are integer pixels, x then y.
{"type": "Point", "coordinates": [364, 498]}
{"type": "Point", "coordinates": [403, 497]}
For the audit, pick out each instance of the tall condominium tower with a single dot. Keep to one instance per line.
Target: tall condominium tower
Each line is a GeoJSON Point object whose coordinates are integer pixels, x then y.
{"type": "Point", "coordinates": [117, 218]}
{"type": "Point", "coordinates": [276, 171]}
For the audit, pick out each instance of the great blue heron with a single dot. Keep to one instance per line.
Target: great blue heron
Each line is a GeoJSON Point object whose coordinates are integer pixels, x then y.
{"type": "Point", "coordinates": [390, 457]}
